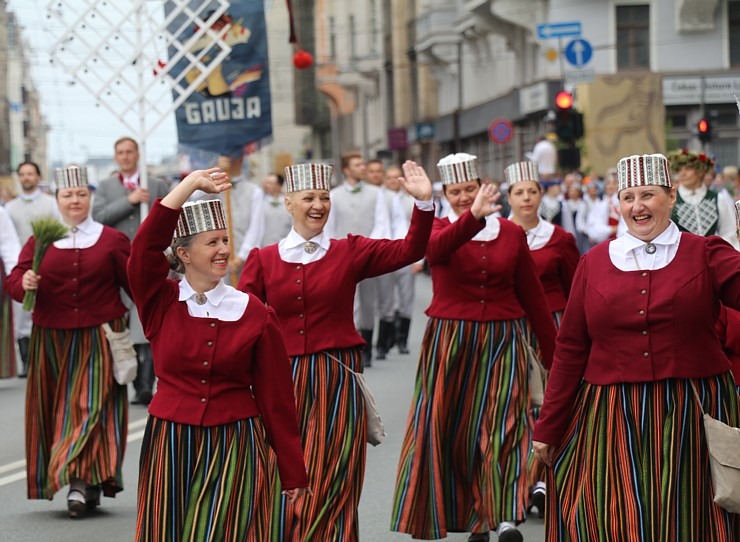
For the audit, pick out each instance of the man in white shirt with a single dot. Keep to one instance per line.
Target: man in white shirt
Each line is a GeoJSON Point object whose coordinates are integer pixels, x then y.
{"type": "Point", "coordinates": [359, 208]}
{"type": "Point", "coordinates": [545, 155]}
{"type": "Point", "coordinates": [277, 220]}
{"type": "Point", "coordinates": [29, 206]}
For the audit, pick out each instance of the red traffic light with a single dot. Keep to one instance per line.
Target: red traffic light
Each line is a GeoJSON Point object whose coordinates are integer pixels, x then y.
{"type": "Point", "coordinates": [704, 126]}
{"type": "Point", "coordinates": [564, 100]}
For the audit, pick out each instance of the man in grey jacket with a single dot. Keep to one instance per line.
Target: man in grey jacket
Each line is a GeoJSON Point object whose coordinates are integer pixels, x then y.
{"type": "Point", "coordinates": [117, 203]}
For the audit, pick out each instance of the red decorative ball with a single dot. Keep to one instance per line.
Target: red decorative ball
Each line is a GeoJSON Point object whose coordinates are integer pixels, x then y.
{"type": "Point", "coordinates": [302, 59]}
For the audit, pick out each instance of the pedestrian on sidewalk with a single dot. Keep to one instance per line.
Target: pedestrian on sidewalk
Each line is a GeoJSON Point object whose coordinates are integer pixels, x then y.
{"type": "Point", "coordinates": [555, 257]}
{"type": "Point", "coordinates": [76, 413]}
{"type": "Point", "coordinates": [9, 249]}
{"type": "Point", "coordinates": [636, 352]}
{"type": "Point", "coordinates": [463, 459]}
{"type": "Point", "coordinates": [224, 387]}
{"type": "Point", "coordinates": [310, 281]}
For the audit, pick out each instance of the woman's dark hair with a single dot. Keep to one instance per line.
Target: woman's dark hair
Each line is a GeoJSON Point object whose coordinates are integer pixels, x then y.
{"type": "Point", "coordinates": [175, 262]}
{"type": "Point", "coordinates": [444, 186]}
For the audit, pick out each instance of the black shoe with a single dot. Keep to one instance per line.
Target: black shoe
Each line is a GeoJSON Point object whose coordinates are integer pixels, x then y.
{"type": "Point", "coordinates": [538, 500]}
{"type": "Point", "coordinates": [511, 535]}
{"type": "Point", "coordinates": [367, 350]}
{"type": "Point", "coordinates": [402, 334]}
{"type": "Point", "coordinates": [380, 353]}
{"type": "Point", "coordinates": [479, 537]}
{"type": "Point", "coordinates": [76, 504]}
{"type": "Point", "coordinates": [24, 344]}
{"type": "Point", "coordinates": [92, 497]}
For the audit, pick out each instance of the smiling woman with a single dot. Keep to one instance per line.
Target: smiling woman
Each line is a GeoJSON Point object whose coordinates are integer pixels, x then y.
{"type": "Point", "coordinates": [637, 335]}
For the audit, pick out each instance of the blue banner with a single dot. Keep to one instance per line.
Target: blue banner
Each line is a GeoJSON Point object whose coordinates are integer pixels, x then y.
{"type": "Point", "coordinates": [230, 113]}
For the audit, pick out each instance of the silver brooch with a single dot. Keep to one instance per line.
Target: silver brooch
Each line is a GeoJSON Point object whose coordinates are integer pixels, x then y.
{"type": "Point", "coordinates": [200, 299]}
{"type": "Point", "coordinates": [310, 247]}
{"type": "Point", "coordinates": [650, 248]}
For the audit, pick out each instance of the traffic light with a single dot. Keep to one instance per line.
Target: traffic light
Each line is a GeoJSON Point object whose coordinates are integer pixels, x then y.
{"type": "Point", "coordinates": [704, 128]}
{"type": "Point", "coordinates": [564, 117]}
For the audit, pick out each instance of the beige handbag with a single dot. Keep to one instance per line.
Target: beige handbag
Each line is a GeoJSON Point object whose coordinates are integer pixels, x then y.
{"type": "Point", "coordinates": [723, 443]}
{"type": "Point", "coordinates": [375, 427]}
{"type": "Point", "coordinates": [123, 353]}
{"type": "Point", "coordinates": [537, 376]}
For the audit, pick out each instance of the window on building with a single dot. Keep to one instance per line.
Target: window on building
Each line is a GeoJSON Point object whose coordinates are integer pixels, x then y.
{"type": "Point", "coordinates": [633, 37]}
{"type": "Point", "coordinates": [332, 40]}
{"type": "Point", "coordinates": [733, 21]}
{"type": "Point", "coordinates": [373, 27]}
{"type": "Point", "coordinates": [352, 37]}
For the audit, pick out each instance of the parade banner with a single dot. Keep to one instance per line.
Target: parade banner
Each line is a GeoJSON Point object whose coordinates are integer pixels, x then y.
{"type": "Point", "coordinates": [230, 113]}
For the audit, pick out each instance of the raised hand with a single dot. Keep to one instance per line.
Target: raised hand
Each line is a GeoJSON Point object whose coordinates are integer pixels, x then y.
{"type": "Point", "coordinates": [485, 201]}
{"type": "Point", "coordinates": [415, 181]}
{"type": "Point", "coordinates": [211, 181]}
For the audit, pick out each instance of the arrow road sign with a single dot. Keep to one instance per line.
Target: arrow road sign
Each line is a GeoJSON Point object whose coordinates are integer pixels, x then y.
{"type": "Point", "coordinates": [569, 29]}
{"type": "Point", "coordinates": [578, 52]}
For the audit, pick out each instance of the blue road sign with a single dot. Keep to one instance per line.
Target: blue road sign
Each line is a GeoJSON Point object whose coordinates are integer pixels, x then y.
{"type": "Point", "coordinates": [501, 131]}
{"type": "Point", "coordinates": [570, 29]}
{"type": "Point", "coordinates": [578, 52]}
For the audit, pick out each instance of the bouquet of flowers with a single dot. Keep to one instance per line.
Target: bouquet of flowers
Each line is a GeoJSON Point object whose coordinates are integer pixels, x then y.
{"type": "Point", "coordinates": [45, 232]}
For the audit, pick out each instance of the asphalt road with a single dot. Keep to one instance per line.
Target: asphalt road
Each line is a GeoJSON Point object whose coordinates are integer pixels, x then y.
{"type": "Point", "coordinates": [22, 520]}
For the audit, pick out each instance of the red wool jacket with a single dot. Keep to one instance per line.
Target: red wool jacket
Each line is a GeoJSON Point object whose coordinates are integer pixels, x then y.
{"type": "Point", "coordinates": [315, 301]}
{"type": "Point", "coordinates": [728, 329]}
{"type": "Point", "coordinates": [556, 264]}
{"type": "Point", "coordinates": [640, 326]}
{"type": "Point", "coordinates": [213, 372]}
{"type": "Point", "coordinates": [487, 280]}
{"type": "Point", "coordinates": [79, 287]}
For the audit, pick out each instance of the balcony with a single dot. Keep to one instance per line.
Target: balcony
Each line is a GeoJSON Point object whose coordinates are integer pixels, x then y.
{"type": "Point", "coordinates": [695, 15]}
{"type": "Point", "coordinates": [434, 35]}
{"type": "Point", "coordinates": [507, 18]}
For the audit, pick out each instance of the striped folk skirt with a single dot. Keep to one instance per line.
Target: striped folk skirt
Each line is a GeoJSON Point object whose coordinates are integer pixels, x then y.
{"type": "Point", "coordinates": [7, 334]}
{"type": "Point", "coordinates": [463, 460]}
{"type": "Point", "coordinates": [634, 465]}
{"type": "Point", "coordinates": [202, 484]}
{"type": "Point", "coordinates": [76, 414]}
{"type": "Point", "coordinates": [332, 420]}
{"type": "Point", "coordinates": [536, 469]}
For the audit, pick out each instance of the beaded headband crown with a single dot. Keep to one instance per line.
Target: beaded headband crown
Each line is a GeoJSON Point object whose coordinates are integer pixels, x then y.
{"type": "Point", "coordinates": [200, 216]}
{"type": "Point", "coordinates": [308, 177]}
{"type": "Point", "coordinates": [643, 170]}
{"type": "Point", "coordinates": [521, 171]}
{"type": "Point", "coordinates": [70, 177]}
{"type": "Point", "coordinates": [458, 168]}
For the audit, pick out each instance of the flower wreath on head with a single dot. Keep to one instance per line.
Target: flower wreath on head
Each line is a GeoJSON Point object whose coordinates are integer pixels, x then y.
{"type": "Point", "coordinates": [686, 158]}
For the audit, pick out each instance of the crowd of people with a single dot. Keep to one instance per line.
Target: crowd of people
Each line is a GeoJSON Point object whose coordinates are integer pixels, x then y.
{"type": "Point", "coordinates": [252, 313]}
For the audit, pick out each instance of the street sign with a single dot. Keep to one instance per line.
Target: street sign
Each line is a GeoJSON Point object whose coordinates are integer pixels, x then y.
{"type": "Point", "coordinates": [574, 77]}
{"type": "Point", "coordinates": [570, 29]}
{"type": "Point", "coordinates": [578, 52]}
{"type": "Point", "coordinates": [501, 131]}
{"type": "Point", "coordinates": [425, 130]}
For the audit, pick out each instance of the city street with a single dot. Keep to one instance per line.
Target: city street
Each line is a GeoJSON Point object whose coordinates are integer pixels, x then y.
{"type": "Point", "coordinates": [22, 520]}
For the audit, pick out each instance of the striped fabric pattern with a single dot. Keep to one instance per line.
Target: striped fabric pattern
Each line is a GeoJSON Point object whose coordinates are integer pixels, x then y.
{"type": "Point", "coordinates": [458, 168]}
{"type": "Point", "coordinates": [331, 417]}
{"type": "Point", "coordinates": [643, 170]}
{"type": "Point", "coordinates": [308, 177]}
{"type": "Point", "coordinates": [202, 484]}
{"type": "Point", "coordinates": [521, 171]}
{"type": "Point", "coordinates": [200, 216]}
{"type": "Point", "coordinates": [537, 471]}
{"type": "Point", "coordinates": [634, 465]}
{"type": "Point", "coordinates": [463, 459]}
{"type": "Point", "coordinates": [76, 414]}
{"type": "Point", "coordinates": [70, 177]}
{"type": "Point", "coordinates": [7, 335]}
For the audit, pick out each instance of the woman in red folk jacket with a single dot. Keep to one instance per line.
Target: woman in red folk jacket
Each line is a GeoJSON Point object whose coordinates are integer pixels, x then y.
{"type": "Point", "coordinates": [310, 281]}
{"type": "Point", "coordinates": [621, 426]}
{"type": "Point", "coordinates": [76, 413]}
{"type": "Point", "coordinates": [224, 386]}
{"type": "Point", "coordinates": [463, 460]}
{"type": "Point", "coordinates": [555, 256]}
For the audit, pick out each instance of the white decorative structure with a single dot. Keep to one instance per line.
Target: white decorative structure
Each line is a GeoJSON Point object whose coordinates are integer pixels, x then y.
{"type": "Point", "coordinates": [123, 53]}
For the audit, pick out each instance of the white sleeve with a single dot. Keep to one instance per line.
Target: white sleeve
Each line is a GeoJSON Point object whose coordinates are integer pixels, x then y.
{"type": "Point", "coordinates": [399, 225]}
{"type": "Point", "coordinates": [727, 225]}
{"type": "Point", "coordinates": [10, 246]}
{"type": "Point", "coordinates": [567, 218]}
{"type": "Point", "coordinates": [597, 223]}
{"type": "Point", "coordinates": [382, 224]}
{"type": "Point", "coordinates": [256, 229]}
{"type": "Point", "coordinates": [330, 228]}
